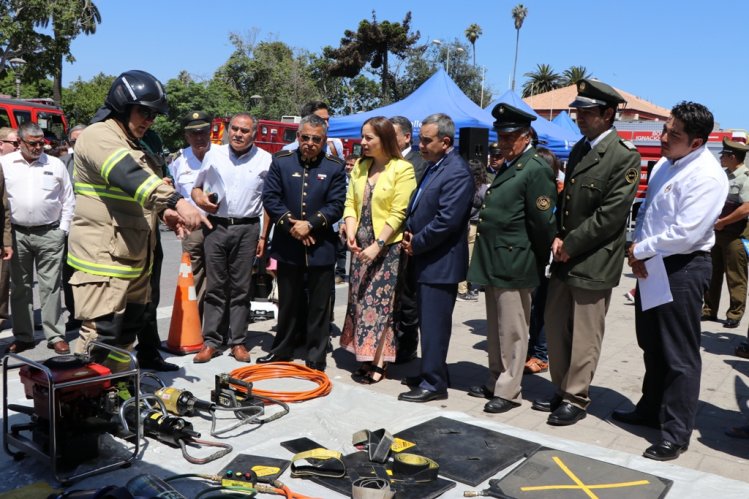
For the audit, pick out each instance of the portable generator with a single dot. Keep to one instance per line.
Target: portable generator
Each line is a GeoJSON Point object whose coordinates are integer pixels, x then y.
{"type": "Point", "coordinates": [75, 402]}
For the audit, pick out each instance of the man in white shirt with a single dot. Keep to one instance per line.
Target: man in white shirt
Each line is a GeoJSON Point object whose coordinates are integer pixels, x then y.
{"type": "Point", "coordinates": [229, 187]}
{"type": "Point", "coordinates": [41, 201]}
{"type": "Point", "coordinates": [184, 170]}
{"type": "Point", "coordinates": [685, 195]}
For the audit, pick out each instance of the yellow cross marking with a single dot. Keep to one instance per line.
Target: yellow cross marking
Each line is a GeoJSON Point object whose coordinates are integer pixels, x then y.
{"type": "Point", "coordinates": [588, 489]}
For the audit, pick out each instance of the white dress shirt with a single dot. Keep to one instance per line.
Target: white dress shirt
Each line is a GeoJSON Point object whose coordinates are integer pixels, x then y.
{"type": "Point", "coordinates": [184, 171]}
{"type": "Point", "coordinates": [39, 193]}
{"type": "Point", "coordinates": [241, 180]}
{"type": "Point", "coordinates": [683, 201]}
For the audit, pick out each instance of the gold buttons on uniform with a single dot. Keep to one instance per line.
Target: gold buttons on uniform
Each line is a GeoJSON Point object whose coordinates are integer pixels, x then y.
{"type": "Point", "coordinates": [568, 196]}
{"type": "Point", "coordinates": [572, 181]}
{"type": "Point", "coordinates": [566, 212]}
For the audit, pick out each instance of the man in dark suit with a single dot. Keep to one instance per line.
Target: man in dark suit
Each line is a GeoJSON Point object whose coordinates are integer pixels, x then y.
{"type": "Point", "coordinates": [407, 333]}
{"type": "Point", "coordinates": [436, 241]}
{"type": "Point", "coordinates": [303, 195]}
{"type": "Point", "coordinates": [600, 184]}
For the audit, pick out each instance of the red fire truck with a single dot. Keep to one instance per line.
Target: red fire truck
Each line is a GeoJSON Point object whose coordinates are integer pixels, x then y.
{"type": "Point", "coordinates": [274, 135]}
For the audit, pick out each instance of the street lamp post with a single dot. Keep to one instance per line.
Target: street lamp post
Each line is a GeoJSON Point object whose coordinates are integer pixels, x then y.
{"type": "Point", "coordinates": [438, 42]}
{"type": "Point", "coordinates": [16, 64]}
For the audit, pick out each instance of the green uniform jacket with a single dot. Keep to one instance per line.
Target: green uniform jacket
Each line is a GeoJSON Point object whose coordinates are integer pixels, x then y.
{"type": "Point", "coordinates": [516, 225]}
{"type": "Point", "coordinates": [592, 212]}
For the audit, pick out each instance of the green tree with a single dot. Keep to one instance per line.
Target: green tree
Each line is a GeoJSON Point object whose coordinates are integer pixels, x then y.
{"type": "Point", "coordinates": [82, 98]}
{"type": "Point", "coordinates": [371, 46]}
{"type": "Point", "coordinates": [473, 32]}
{"type": "Point", "coordinates": [33, 88]}
{"type": "Point", "coordinates": [519, 13]}
{"type": "Point", "coordinates": [344, 95]}
{"type": "Point", "coordinates": [68, 19]}
{"type": "Point", "coordinates": [573, 74]}
{"type": "Point", "coordinates": [19, 39]}
{"type": "Point", "coordinates": [544, 79]}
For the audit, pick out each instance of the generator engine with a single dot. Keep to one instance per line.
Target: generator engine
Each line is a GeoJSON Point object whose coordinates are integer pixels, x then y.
{"type": "Point", "coordinates": [81, 413]}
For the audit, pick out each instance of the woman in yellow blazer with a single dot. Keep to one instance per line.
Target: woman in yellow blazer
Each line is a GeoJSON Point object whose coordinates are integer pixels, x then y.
{"type": "Point", "coordinates": [379, 190]}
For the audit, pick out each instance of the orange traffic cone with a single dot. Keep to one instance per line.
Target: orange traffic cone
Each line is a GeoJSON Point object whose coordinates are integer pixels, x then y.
{"type": "Point", "coordinates": [185, 334]}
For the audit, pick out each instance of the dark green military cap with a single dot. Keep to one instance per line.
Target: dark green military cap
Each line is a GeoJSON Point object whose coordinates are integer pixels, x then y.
{"type": "Point", "coordinates": [510, 118]}
{"type": "Point", "coordinates": [731, 147]}
{"type": "Point", "coordinates": [196, 120]}
{"type": "Point", "coordinates": [494, 149]}
{"type": "Point", "coordinates": [592, 93]}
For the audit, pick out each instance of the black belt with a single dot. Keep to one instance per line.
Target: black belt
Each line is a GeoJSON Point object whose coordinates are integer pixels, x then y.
{"type": "Point", "coordinates": [233, 221]}
{"type": "Point", "coordinates": [31, 228]}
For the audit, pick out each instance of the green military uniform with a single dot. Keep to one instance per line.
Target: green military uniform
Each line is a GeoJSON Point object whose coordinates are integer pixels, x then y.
{"type": "Point", "coordinates": [728, 255]}
{"type": "Point", "coordinates": [600, 184]}
{"type": "Point", "coordinates": [493, 151]}
{"type": "Point", "coordinates": [514, 233]}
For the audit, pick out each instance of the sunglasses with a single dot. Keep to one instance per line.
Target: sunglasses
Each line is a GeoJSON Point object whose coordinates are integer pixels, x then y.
{"type": "Point", "coordinates": [34, 143]}
{"type": "Point", "coordinates": [314, 138]}
{"type": "Point", "coordinates": [14, 142]}
{"type": "Point", "coordinates": [147, 113]}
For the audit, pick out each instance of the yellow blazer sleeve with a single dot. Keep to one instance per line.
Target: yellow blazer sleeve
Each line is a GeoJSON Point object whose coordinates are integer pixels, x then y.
{"type": "Point", "coordinates": [404, 184]}
{"type": "Point", "coordinates": [354, 193]}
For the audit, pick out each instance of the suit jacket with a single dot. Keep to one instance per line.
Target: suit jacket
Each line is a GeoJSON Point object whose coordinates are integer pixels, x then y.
{"type": "Point", "coordinates": [419, 164]}
{"type": "Point", "coordinates": [438, 222]}
{"type": "Point", "coordinates": [516, 225]}
{"type": "Point", "coordinates": [389, 200]}
{"type": "Point", "coordinates": [592, 213]}
{"type": "Point", "coordinates": [314, 192]}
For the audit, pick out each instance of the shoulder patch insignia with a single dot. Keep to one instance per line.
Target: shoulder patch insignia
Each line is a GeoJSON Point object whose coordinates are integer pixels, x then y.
{"type": "Point", "coordinates": [282, 153]}
{"type": "Point", "coordinates": [543, 203]}
{"type": "Point", "coordinates": [632, 175]}
{"type": "Point", "coordinates": [629, 145]}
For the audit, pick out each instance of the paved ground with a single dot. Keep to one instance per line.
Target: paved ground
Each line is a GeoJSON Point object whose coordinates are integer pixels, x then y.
{"type": "Point", "coordinates": [616, 385]}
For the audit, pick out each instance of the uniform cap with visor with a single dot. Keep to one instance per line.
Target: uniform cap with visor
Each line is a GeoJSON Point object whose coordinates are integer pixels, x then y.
{"type": "Point", "coordinates": [594, 93]}
{"type": "Point", "coordinates": [510, 119]}
{"type": "Point", "coordinates": [731, 147]}
{"type": "Point", "coordinates": [196, 120]}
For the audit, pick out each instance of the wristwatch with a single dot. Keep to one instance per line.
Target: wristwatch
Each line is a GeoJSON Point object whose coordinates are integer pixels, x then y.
{"type": "Point", "coordinates": [380, 243]}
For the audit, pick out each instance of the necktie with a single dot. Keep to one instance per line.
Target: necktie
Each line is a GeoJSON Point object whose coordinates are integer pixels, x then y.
{"type": "Point", "coordinates": [586, 148]}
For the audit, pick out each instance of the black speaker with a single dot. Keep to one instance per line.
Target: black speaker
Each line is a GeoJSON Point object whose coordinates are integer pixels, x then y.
{"type": "Point", "coordinates": [474, 144]}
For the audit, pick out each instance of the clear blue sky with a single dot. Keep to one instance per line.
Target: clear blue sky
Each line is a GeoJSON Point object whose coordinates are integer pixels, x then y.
{"type": "Point", "coordinates": [661, 50]}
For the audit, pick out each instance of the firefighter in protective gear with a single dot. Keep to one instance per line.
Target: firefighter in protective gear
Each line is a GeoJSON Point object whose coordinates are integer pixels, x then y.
{"type": "Point", "coordinates": [120, 195]}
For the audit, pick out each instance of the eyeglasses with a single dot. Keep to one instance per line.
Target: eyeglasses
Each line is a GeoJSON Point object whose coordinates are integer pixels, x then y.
{"type": "Point", "coordinates": [147, 113]}
{"type": "Point", "coordinates": [34, 143]}
{"type": "Point", "coordinates": [314, 138]}
{"type": "Point", "coordinates": [14, 142]}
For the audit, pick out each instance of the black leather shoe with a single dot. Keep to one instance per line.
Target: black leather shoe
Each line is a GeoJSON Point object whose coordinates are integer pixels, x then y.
{"type": "Point", "coordinates": [635, 418]}
{"type": "Point", "coordinates": [157, 364]}
{"type": "Point", "coordinates": [272, 357]}
{"type": "Point", "coordinates": [403, 357]}
{"type": "Point", "coordinates": [731, 324]}
{"type": "Point", "coordinates": [481, 392]}
{"type": "Point", "coordinates": [664, 451]}
{"type": "Point", "coordinates": [708, 317]}
{"type": "Point", "coordinates": [548, 405]}
{"type": "Point", "coordinates": [411, 381]}
{"type": "Point", "coordinates": [422, 395]}
{"type": "Point", "coordinates": [498, 405]}
{"type": "Point", "coordinates": [566, 414]}
{"type": "Point", "coordinates": [319, 366]}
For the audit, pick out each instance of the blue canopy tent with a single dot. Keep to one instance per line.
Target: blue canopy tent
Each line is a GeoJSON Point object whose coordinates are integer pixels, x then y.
{"type": "Point", "coordinates": [552, 136]}
{"type": "Point", "coordinates": [563, 120]}
{"type": "Point", "coordinates": [439, 94]}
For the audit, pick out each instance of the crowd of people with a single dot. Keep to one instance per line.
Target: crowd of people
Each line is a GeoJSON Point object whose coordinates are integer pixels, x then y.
{"type": "Point", "coordinates": [423, 227]}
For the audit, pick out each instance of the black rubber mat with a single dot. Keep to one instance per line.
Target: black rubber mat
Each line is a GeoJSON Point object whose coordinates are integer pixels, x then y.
{"type": "Point", "coordinates": [467, 453]}
{"type": "Point", "coordinates": [553, 474]}
{"type": "Point", "coordinates": [266, 468]}
{"type": "Point", "coordinates": [358, 465]}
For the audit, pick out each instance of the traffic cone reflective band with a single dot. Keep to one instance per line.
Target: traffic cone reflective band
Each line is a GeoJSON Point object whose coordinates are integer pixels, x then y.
{"type": "Point", "coordinates": [185, 334]}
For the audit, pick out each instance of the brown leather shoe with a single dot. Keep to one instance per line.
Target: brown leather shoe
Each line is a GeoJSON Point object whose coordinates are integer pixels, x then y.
{"type": "Point", "coordinates": [19, 346]}
{"type": "Point", "coordinates": [240, 353]}
{"type": "Point", "coordinates": [535, 366]}
{"type": "Point", "coordinates": [205, 354]}
{"type": "Point", "coordinates": [60, 348]}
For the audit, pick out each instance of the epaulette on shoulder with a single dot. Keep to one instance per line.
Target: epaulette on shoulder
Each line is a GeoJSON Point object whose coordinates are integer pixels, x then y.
{"type": "Point", "coordinates": [629, 145]}
{"type": "Point", "coordinates": [335, 158]}
{"type": "Point", "coordinates": [283, 153]}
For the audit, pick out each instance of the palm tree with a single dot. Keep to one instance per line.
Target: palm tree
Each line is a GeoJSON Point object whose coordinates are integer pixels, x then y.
{"type": "Point", "coordinates": [573, 74]}
{"type": "Point", "coordinates": [544, 79]}
{"type": "Point", "coordinates": [519, 13]}
{"type": "Point", "coordinates": [473, 32]}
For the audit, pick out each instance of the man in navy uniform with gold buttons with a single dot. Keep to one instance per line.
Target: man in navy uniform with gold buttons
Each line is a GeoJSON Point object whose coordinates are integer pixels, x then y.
{"type": "Point", "coordinates": [600, 184]}
{"type": "Point", "coordinates": [303, 195]}
{"type": "Point", "coordinates": [515, 229]}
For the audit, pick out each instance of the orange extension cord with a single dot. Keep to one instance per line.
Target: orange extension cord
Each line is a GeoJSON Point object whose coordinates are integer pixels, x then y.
{"type": "Point", "coordinates": [276, 370]}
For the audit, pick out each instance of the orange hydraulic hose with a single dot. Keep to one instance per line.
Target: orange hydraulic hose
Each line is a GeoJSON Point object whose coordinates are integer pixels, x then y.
{"type": "Point", "coordinates": [276, 370]}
